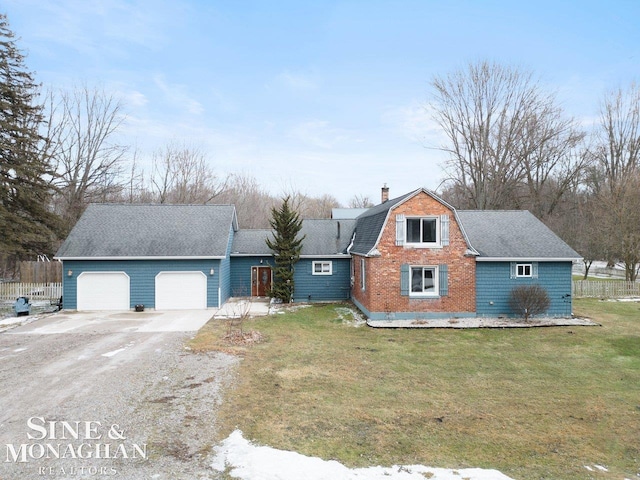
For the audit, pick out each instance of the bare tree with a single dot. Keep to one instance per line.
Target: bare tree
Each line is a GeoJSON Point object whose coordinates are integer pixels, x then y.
{"type": "Point", "coordinates": [360, 201]}
{"type": "Point", "coordinates": [320, 207]}
{"type": "Point", "coordinates": [504, 133]}
{"type": "Point", "coordinates": [136, 191]}
{"type": "Point", "coordinates": [181, 174]}
{"type": "Point", "coordinates": [553, 161]}
{"type": "Point", "coordinates": [617, 149]}
{"type": "Point", "coordinates": [614, 178]}
{"type": "Point", "coordinates": [253, 204]}
{"type": "Point", "coordinates": [619, 222]}
{"type": "Point", "coordinates": [89, 160]}
{"type": "Point", "coordinates": [308, 206]}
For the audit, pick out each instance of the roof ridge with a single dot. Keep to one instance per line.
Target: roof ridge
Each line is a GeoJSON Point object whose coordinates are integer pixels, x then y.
{"type": "Point", "coordinates": [497, 211]}
{"type": "Point", "coordinates": [129, 205]}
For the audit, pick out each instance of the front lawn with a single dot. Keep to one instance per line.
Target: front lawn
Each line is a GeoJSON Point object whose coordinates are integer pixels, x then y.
{"type": "Point", "coordinates": [532, 403]}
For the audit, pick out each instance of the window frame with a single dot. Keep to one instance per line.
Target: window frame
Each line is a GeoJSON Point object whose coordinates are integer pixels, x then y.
{"type": "Point", "coordinates": [422, 218]}
{"type": "Point", "coordinates": [322, 271]}
{"type": "Point", "coordinates": [436, 281]}
{"type": "Point", "coordinates": [524, 267]}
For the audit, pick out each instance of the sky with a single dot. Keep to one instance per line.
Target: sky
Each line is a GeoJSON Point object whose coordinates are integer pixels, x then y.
{"type": "Point", "coordinates": [319, 97]}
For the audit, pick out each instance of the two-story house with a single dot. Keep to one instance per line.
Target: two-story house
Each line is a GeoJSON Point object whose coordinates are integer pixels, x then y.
{"type": "Point", "coordinates": [411, 257]}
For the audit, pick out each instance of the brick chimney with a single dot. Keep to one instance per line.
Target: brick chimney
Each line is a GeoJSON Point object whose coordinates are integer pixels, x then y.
{"type": "Point", "coordinates": [385, 193]}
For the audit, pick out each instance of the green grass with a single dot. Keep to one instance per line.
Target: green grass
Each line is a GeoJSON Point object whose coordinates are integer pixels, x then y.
{"type": "Point", "coordinates": [532, 403]}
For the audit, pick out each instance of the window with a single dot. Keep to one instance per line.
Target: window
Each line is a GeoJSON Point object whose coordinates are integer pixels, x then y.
{"type": "Point", "coordinates": [322, 268]}
{"type": "Point", "coordinates": [424, 281]}
{"type": "Point", "coordinates": [422, 231]}
{"type": "Point", "coordinates": [362, 274]}
{"type": "Point", "coordinates": [524, 270]}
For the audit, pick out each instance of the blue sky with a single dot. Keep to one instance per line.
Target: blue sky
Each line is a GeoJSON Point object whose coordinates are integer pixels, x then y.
{"type": "Point", "coordinates": [317, 96]}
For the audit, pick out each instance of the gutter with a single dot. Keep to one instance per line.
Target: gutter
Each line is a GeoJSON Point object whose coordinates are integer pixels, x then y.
{"type": "Point", "coordinates": [164, 257]}
{"type": "Point", "coordinates": [528, 259]}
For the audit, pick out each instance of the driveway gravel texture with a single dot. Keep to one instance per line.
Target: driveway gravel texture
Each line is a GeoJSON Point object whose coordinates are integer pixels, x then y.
{"type": "Point", "coordinates": [107, 398]}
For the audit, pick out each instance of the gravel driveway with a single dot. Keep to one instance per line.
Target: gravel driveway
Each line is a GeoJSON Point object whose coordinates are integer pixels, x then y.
{"type": "Point", "coordinates": [136, 403]}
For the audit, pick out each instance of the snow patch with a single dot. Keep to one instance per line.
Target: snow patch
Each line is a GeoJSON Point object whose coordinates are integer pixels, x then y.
{"type": "Point", "coordinates": [350, 317]}
{"type": "Point", "coordinates": [114, 352]}
{"type": "Point", "coordinates": [243, 460]}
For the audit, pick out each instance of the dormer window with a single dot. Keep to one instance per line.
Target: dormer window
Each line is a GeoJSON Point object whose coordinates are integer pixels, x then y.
{"type": "Point", "coordinates": [422, 231]}
{"type": "Point", "coordinates": [426, 232]}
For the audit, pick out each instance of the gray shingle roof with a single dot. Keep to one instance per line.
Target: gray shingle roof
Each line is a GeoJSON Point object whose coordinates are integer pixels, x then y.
{"type": "Point", "coordinates": [326, 237]}
{"type": "Point", "coordinates": [251, 242]}
{"type": "Point", "coordinates": [370, 223]}
{"type": "Point", "coordinates": [125, 230]}
{"type": "Point", "coordinates": [323, 238]}
{"type": "Point", "coordinates": [513, 234]}
{"type": "Point", "coordinates": [492, 233]}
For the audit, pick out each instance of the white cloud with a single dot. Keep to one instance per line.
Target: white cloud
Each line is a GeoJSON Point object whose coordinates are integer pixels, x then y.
{"type": "Point", "coordinates": [178, 96]}
{"type": "Point", "coordinates": [320, 134]}
{"type": "Point", "coordinates": [297, 80]}
{"type": "Point", "coordinates": [415, 122]}
{"type": "Point", "coordinates": [133, 98]}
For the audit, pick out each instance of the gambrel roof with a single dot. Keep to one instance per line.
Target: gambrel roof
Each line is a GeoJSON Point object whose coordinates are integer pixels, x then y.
{"type": "Point", "coordinates": [370, 224]}
{"type": "Point", "coordinates": [112, 231]}
{"type": "Point", "coordinates": [490, 234]}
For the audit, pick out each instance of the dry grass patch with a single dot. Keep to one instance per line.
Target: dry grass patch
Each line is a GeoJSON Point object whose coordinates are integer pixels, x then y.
{"type": "Point", "coordinates": [217, 336]}
{"type": "Point", "coordinates": [533, 403]}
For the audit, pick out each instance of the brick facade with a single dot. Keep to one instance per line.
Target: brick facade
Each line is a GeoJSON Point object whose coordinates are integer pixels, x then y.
{"type": "Point", "coordinates": [382, 293]}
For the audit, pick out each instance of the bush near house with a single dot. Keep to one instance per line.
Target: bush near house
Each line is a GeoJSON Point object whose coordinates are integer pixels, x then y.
{"type": "Point", "coordinates": [529, 300]}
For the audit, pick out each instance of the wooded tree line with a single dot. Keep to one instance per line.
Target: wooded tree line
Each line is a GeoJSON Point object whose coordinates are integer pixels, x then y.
{"type": "Point", "coordinates": [60, 151]}
{"type": "Point", "coordinates": [510, 146]}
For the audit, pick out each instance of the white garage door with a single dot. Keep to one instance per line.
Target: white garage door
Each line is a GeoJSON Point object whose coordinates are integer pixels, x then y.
{"type": "Point", "coordinates": [181, 290]}
{"type": "Point", "coordinates": [103, 291]}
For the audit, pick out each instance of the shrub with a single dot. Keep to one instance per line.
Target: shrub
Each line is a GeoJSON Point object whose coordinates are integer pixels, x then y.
{"type": "Point", "coordinates": [529, 300]}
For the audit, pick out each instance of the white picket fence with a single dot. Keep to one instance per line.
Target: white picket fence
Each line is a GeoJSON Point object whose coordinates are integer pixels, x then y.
{"type": "Point", "coordinates": [605, 289]}
{"type": "Point", "coordinates": [34, 291]}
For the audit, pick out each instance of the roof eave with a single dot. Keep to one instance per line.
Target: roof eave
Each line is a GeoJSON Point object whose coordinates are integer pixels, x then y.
{"type": "Point", "coordinates": [329, 255]}
{"type": "Point", "coordinates": [157, 257]}
{"type": "Point", "coordinates": [528, 259]}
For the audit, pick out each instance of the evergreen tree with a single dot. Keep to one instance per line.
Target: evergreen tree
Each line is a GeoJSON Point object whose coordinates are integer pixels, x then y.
{"type": "Point", "coordinates": [26, 224]}
{"type": "Point", "coordinates": [286, 249]}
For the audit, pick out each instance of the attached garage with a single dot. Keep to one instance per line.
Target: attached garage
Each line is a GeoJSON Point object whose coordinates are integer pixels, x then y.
{"type": "Point", "coordinates": [164, 257]}
{"type": "Point", "coordinates": [103, 291]}
{"type": "Point", "coordinates": [181, 290]}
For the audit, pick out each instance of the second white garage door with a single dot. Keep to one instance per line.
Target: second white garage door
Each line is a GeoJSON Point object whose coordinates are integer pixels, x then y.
{"type": "Point", "coordinates": [181, 290]}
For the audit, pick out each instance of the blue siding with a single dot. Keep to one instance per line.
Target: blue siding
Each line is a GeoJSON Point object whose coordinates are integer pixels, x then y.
{"type": "Point", "coordinates": [494, 285]}
{"type": "Point", "coordinates": [310, 288]}
{"type": "Point", "coordinates": [240, 278]}
{"type": "Point", "coordinates": [142, 274]}
{"type": "Point", "coordinates": [225, 272]}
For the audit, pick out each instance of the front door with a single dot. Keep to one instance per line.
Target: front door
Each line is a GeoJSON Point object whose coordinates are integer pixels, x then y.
{"type": "Point", "coordinates": [260, 281]}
